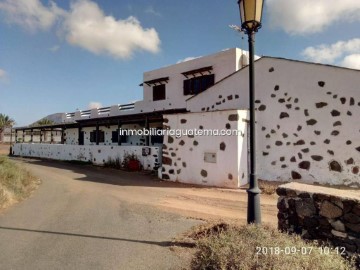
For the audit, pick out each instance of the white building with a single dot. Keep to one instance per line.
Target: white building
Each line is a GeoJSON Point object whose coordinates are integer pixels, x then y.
{"type": "Point", "coordinates": [306, 123]}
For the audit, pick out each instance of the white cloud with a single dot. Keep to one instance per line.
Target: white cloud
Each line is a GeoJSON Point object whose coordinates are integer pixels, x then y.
{"type": "Point", "coordinates": [54, 48]}
{"type": "Point", "coordinates": [85, 25]}
{"type": "Point", "coordinates": [330, 54]}
{"type": "Point", "coordinates": [3, 76]}
{"type": "Point", "coordinates": [309, 16]}
{"type": "Point", "coordinates": [31, 14]}
{"type": "Point", "coordinates": [88, 27]}
{"type": "Point", "coordinates": [2, 73]}
{"type": "Point", "coordinates": [187, 59]}
{"type": "Point", "coordinates": [94, 105]}
{"type": "Point", "coordinates": [151, 10]}
{"type": "Point", "coordinates": [352, 61]}
{"type": "Point", "coordinates": [344, 53]}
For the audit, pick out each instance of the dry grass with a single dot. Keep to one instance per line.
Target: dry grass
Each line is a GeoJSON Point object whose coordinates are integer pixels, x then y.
{"type": "Point", "coordinates": [268, 187]}
{"type": "Point", "coordinates": [234, 247]}
{"type": "Point", "coordinates": [114, 163]}
{"type": "Point", "coordinates": [15, 183]}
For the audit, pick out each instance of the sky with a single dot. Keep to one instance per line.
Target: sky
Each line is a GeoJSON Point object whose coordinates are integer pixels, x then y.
{"type": "Point", "coordinates": [61, 55]}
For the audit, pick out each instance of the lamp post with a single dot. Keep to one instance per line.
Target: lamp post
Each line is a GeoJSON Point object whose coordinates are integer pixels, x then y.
{"type": "Point", "coordinates": [251, 13]}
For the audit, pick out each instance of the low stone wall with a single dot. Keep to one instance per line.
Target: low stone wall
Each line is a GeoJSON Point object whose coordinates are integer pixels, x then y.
{"type": "Point", "coordinates": [321, 213]}
{"type": "Point", "coordinates": [96, 154]}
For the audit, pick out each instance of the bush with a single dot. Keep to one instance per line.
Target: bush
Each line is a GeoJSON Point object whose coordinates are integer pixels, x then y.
{"type": "Point", "coordinates": [131, 162]}
{"type": "Point", "coordinates": [235, 248]}
{"type": "Point", "coordinates": [113, 163]}
{"type": "Point", "coordinates": [15, 182]}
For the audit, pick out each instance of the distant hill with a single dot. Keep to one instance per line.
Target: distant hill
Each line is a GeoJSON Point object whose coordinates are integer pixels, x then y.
{"type": "Point", "coordinates": [55, 117]}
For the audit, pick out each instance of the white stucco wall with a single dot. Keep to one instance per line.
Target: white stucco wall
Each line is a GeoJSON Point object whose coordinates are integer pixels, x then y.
{"type": "Point", "coordinates": [71, 135]}
{"type": "Point", "coordinates": [96, 154]}
{"type": "Point", "coordinates": [307, 119]}
{"type": "Point", "coordinates": [184, 157]}
{"type": "Point", "coordinates": [224, 63]}
{"type": "Point", "coordinates": [46, 137]}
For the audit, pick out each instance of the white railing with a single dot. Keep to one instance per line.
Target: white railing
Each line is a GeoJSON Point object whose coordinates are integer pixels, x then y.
{"type": "Point", "coordinates": [85, 113]}
{"type": "Point", "coordinates": [125, 107]}
{"type": "Point", "coordinates": [104, 110]}
{"type": "Point", "coordinates": [93, 113]}
{"type": "Point", "coordinates": [69, 115]}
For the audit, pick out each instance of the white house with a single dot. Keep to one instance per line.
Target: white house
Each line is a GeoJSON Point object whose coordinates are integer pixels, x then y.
{"type": "Point", "coordinates": [306, 123]}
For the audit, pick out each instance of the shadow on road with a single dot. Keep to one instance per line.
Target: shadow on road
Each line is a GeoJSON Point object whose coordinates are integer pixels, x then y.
{"type": "Point", "coordinates": [110, 176]}
{"type": "Point", "coordinates": [161, 244]}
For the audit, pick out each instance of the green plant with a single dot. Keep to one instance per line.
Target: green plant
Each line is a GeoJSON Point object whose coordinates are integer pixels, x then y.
{"type": "Point", "coordinates": [43, 122]}
{"type": "Point", "coordinates": [5, 121]}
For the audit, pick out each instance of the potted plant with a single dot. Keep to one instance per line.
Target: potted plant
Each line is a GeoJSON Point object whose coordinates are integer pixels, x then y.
{"type": "Point", "coordinates": [131, 162]}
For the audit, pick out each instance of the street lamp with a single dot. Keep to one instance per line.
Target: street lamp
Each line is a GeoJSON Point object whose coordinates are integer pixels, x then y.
{"type": "Point", "coordinates": [251, 13]}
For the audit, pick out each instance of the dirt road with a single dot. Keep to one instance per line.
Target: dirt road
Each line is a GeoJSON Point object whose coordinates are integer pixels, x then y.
{"type": "Point", "coordinates": [85, 217]}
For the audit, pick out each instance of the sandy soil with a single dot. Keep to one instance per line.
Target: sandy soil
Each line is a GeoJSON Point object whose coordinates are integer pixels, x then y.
{"type": "Point", "coordinates": [190, 201]}
{"type": "Point", "coordinates": [4, 149]}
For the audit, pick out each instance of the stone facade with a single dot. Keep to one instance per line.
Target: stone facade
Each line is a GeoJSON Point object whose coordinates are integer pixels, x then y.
{"type": "Point", "coordinates": [321, 213]}
{"type": "Point", "coordinates": [95, 154]}
{"type": "Point", "coordinates": [206, 159]}
{"type": "Point", "coordinates": [306, 129]}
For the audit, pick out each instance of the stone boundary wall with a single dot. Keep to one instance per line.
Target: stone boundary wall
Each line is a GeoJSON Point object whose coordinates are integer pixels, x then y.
{"type": "Point", "coordinates": [321, 213]}
{"type": "Point", "coordinates": [208, 160]}
{"type": "Point", "coordinates": [96, 154]}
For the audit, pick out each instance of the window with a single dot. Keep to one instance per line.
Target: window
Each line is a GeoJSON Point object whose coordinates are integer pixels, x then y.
{"type": "Point", "coordinates": [101, 136]}
{"type": "Point", "coordinates": [159, 92]}
{"type": "Point", "coordinates": [81, 138]}
{"type": "Point", "coordinates": [93, 136]}
{"type": "Point", "coordinates": [123, 139]}
{"type": "Point", "coordinates": [197, 85]}
{"type": "Point", "coordinates": [157, 138]}
{"type": "Point", "coordinates": [115, 136]}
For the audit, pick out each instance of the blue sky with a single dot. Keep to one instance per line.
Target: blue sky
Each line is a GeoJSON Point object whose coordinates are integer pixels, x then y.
{"type": "Point", "coordinates": [59, 56]}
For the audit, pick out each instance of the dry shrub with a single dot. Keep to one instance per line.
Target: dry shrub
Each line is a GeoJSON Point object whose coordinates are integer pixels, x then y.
{"type": "Point", "coordinates": [269, 187]}
{"type": "Point", "coordinates": [114, 163]}
{"type": "Point", "coordinates": [235, 248]}
{"type": "Point", "coordinates": [15, 182]}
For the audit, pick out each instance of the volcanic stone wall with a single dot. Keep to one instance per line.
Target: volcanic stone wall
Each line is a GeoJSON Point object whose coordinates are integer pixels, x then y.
{"type": "Point", "coordinates": [321, 213]}
{"type": "Point", "coordinates": [96, 154]}
{"type": "Point", "coordinates": [307, 119]}
{"type": "Point", "coordinates": [206, 160]}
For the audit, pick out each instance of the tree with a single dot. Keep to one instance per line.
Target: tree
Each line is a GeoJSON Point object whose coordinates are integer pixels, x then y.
{"type": "Point", "coordinates": [44, 122]}
{"type": "Point", "coordinates": [5, 121]}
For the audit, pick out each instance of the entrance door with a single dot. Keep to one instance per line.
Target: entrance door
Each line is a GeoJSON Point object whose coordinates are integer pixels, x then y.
{"type": "Point", "coordinates": [81, 138]}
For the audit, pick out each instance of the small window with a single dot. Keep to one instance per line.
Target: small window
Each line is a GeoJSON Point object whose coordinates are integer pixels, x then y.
{"type": "Point", "coordinates": [159, 92]}
{"type": "Point", "coordinates": [157, 138]}
{"type": "Point", "coordinates": [123, 136]}
{"type": "Point", "coordinates": [197, 85]}
{"type": "Point", "coordinates": [81, 138]}
{"type": "Point", "coordinates": [93, 136]}
{"type": "Point", "coordinates": [115, 136]}
{"type": "Point", "coordinates": [101, 136]}
{"type": "Point", "coordinates": [123, 139]}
